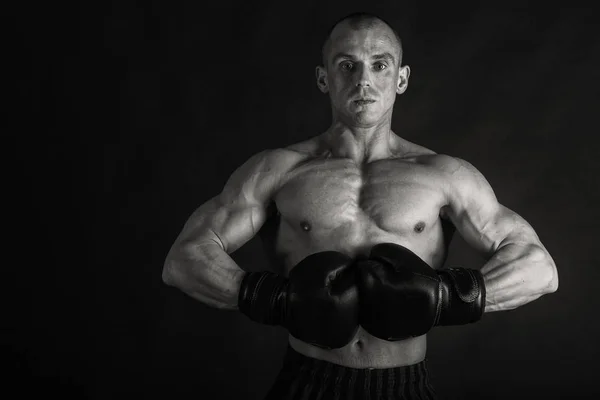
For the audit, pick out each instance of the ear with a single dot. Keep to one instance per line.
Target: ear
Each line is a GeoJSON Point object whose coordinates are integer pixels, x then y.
{"type": "Point", "coordinates": [403, 75]}
{"type": "Point", "coordinates": [322, 79]}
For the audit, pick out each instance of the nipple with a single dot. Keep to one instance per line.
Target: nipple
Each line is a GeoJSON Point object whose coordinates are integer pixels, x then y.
{"type": "Point", "coordinates": [305, 226]}
{"type": "Point", "coordinates": [419, 227]}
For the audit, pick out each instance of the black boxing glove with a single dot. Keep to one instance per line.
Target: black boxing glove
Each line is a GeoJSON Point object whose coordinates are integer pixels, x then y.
{"type": "Point", "coordinates": [463, 296]}
{"type": "Point", "coordinates": [403, 297]}
{"type": "Point", "coordinates": [317, 304]}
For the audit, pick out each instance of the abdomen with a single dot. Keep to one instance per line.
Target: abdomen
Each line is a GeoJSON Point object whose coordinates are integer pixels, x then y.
{"type": "Point", "coordinates": [367, 351]}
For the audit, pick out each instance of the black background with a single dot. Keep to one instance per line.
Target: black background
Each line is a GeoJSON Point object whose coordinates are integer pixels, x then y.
{"type": "Point", "coordinates": [129, 115]}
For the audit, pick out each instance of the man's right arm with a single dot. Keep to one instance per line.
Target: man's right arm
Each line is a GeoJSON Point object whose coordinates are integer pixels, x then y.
{"type": "Point", "coordinates": [198, 262]}
{"type": "Point", "coordinates": [317, 303]}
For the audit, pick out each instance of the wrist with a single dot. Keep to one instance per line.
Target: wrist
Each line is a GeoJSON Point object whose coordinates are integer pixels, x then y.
{"type": "Point", "coordinates": [263, 296]}
{"type": "Point", "coordinates": [236, 282]}
{"type": "Point", "coordinates": [463, 296]}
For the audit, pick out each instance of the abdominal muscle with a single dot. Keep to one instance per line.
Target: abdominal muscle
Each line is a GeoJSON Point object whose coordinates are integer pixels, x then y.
{"type": "Point", "coordinates": [367, 351]}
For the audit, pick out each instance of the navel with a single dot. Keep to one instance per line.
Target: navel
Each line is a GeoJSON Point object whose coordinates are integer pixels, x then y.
{"type": "Point", "coordinates": [359, 344]}
{"type": "Point", "coordinates": [305, 226]}
{"type": "Point", "coordinates": [419, 227]}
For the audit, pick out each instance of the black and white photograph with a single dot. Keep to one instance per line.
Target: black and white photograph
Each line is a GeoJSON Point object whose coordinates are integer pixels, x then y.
{"type": "Point", "coordinates": [317, 200]}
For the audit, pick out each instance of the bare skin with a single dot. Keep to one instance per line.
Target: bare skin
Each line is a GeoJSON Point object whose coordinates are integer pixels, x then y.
{"type": "Point", "coordinates": [356, 185]}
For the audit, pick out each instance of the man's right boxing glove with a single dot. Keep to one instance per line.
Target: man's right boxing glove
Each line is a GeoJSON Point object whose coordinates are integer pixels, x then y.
{"type": "Point", "coordinates": [403, 297]}
{"type": "Point", "coordinates": [318, 303]}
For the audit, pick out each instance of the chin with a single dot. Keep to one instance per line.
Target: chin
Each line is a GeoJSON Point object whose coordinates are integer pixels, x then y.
{"type": "Point", "coordinates": [365, 119]}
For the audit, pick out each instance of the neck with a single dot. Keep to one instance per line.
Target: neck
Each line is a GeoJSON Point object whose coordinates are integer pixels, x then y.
{"type": "Point", "coordinates": [361, 144]}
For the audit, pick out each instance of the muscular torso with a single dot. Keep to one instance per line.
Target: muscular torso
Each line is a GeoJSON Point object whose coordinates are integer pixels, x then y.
{"type": "Point", "coordinates": [334, 203]}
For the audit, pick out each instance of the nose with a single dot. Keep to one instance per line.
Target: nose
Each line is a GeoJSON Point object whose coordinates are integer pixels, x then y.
{"type": "Point", "coordinates": [363, 77]}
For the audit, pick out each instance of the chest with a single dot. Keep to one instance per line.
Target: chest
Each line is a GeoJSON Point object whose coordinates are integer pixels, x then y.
{"type": "Point", "coordinates": [390, 194]}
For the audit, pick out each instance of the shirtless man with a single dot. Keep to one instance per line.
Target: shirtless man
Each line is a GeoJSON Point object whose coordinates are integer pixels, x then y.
{"type": "Point", "coordinates": [362, 222]}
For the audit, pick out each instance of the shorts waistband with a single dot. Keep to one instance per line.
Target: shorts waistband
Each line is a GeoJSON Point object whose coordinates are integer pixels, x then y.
{"type": "Point", "coordinates": [303, 377]}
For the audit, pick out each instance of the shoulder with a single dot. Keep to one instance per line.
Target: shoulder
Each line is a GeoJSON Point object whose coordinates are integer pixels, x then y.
{"type": "Point", "coordinates": [311, 147]}
{"type": "Point", "coordinates": [403, 148]}
{"type": "Point", "coordinates": [262, 174]}
{"type": "Point", "coordinates": [449, 165]}
{"type": "Point", "coordinates": [461, 181]}
{"type": "Point", "coordinates": [272, 161]}
{"type": "Point", "coordinates": [279, 160]}
{"type": "Point", "coordinates": [283, 160]}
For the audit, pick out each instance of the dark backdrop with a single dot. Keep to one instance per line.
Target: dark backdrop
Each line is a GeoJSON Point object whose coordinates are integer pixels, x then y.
{"type": "Point", "coordinates": [130, 115]}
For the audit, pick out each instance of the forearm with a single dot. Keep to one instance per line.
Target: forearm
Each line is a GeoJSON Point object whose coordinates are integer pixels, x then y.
{"type": "Point", "coordinates": [519, 272]}
{"type": "Point", "coordinates": [205, 272]}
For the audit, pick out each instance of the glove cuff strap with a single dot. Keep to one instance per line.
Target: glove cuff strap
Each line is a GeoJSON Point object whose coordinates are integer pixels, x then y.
{"type": "Point", "coordinates": [262, 297]}
{"type": "Point", "coordinates": [463, 296]}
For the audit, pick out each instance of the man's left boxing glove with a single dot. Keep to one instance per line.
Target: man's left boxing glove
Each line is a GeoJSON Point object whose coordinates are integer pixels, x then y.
{"type": "Point", "coordinates": [317, 304]}
{"type": "Point", "coordinates": [403, 297]}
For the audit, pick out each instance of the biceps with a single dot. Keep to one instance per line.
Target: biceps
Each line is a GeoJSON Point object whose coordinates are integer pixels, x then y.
{"type": "Point", "coordinates": [486, 229]}
{"type": "Point", "coordinates": [230, 226]}
{"type": "Point", "coordinates": [234, 226]}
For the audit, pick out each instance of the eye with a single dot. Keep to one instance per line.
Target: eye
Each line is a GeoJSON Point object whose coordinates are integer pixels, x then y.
{"type": "Point", "coordinates": [346, 66]}
{"type": "Point", "coordinates": [380, 66]}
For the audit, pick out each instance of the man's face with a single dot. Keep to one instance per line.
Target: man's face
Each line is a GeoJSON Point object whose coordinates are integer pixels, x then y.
{"type": "Point", "coordinates": [362, 74]}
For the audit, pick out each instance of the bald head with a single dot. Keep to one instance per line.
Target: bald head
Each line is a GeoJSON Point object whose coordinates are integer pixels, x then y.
{"type": "Point", "coordinates": [359, 21]}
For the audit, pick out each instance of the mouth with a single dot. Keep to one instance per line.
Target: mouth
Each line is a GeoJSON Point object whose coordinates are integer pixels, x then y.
{"type": "Point", "coordinates": [363, 102]}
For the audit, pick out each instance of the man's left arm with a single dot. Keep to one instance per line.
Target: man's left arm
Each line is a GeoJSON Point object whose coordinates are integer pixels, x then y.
{"type": "Point", "coordinates": [519, 269]}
